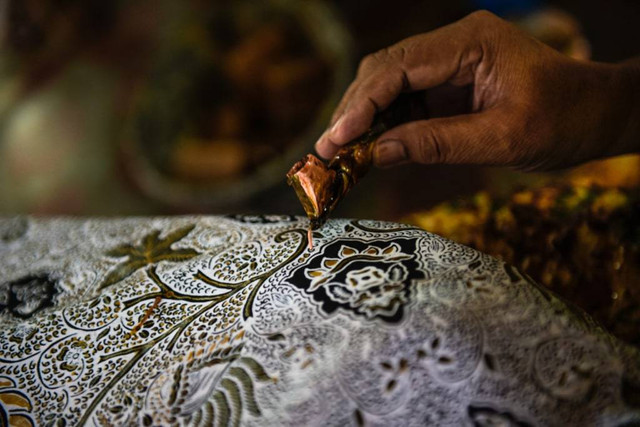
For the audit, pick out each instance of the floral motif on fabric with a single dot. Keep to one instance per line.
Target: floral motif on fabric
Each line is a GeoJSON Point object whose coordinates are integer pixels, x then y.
{"type": "Point", "coordinates": [368, 279]}
{"type": "Point", "coordinates": [218, 321]}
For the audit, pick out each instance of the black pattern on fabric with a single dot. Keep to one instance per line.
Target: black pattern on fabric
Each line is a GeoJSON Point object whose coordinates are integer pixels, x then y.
{"type": "Point", "coordinates": [370, 279]}
{"type": "Point", "coordinates": [233, 320]}
{"type": "Point", "coordinates": [27, 296]}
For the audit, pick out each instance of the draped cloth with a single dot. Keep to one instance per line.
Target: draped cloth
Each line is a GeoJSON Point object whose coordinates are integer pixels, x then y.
{"type": "Point", "coordinates": [233, 320]}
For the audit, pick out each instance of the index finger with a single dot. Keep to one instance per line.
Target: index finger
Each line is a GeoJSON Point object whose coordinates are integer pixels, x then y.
{"type": "Point", "coordinates": [450, 53]}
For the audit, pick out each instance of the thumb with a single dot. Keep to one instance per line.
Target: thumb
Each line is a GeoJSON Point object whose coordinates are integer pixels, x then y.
{"type": "Point", "coordinates": [480, 138]}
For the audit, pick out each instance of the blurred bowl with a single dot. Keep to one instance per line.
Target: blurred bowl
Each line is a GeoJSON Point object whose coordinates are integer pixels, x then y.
{"type": "Point", "coordinates": [218, 120]}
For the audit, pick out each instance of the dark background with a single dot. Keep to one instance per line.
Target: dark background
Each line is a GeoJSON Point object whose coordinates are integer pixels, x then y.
{"type": "Point", "coordinates": [44, 39]}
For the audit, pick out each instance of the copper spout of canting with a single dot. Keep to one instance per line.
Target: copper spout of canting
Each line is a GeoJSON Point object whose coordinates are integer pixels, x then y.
{"type": "Point", "coordinates": [312, 181]}
{"type": "Point", "coordinates": [320, 187]}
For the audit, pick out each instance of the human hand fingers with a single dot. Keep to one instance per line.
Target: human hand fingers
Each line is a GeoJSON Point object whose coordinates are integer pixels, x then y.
{"type": "Point", "coordinates": [451, 53]}
{"type": "Point", "coordinates": [480, 138]}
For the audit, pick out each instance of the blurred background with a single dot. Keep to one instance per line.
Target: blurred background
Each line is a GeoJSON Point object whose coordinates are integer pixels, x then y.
{"type": "Point", "coordinates": [158, 107]}
{"type": "Point", "coordinates": [162, 107]}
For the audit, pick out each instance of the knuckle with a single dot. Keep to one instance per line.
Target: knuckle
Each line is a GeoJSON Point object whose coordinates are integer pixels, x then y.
{"type": "Point", "coordinates": [430, 148]}
{"type": "Point", "coordinates": [402, 52]}
{"type": "Point", "coordinates": [394, 54]}
{"type": "Point", "coordinates": [367, 63]}
{"type": "Point", "coordinates": [384, 59]}
{"type": "Point", "coordinates": [380, 58]}
{"type": "Point", "coordinates": [486, 22]}
{"type": "Point", "coordinates": [382, 55]}
{"type": "Point", "coordinates": [483, 16]}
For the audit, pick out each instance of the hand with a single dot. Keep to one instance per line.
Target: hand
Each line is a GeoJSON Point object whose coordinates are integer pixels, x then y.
{"type": "Point", "coordinates": [495, 97]}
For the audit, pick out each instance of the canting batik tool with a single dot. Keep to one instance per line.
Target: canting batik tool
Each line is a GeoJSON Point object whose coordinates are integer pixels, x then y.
{"type": "Point", "coordinates": [320, 187]}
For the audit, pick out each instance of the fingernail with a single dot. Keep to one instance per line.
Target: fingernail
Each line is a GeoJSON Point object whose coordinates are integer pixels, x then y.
{"type": "Point", "coordinates": [336, 125]}
{"type": "Point", "coordinates": [389, 152]}
{"type": "Point", "coordinates": [319, 141]}
{"type": "Point", "coordinates": [321, 146]}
